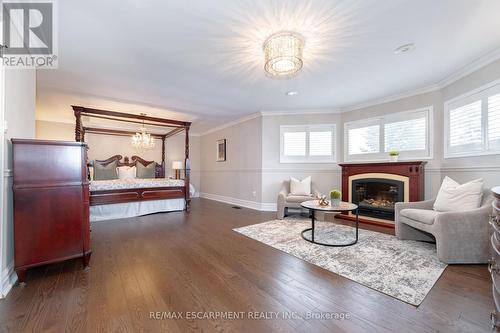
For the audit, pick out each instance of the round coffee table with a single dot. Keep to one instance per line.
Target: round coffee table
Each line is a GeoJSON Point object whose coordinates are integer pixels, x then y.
{"type": "Point", "coordinates": [313, 206]}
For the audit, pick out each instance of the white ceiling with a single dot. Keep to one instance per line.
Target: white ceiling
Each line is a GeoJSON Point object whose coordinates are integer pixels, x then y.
{"type": "Point", "coordinates": [202, 60]}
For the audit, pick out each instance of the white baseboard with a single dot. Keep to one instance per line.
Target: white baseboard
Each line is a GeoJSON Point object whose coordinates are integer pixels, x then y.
{"type": "Point", "coordinates": [268, 206]}
{"type": "Point", "coordinates": [265, 207]}
{"type": "Point", "coordinates": [9, 278]}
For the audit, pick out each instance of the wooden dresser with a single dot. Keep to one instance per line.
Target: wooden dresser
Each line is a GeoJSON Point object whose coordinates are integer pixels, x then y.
{"type": "Point", "coordinates": [494, 266]}
{"type": "Point", "coordinates": [51, 203]}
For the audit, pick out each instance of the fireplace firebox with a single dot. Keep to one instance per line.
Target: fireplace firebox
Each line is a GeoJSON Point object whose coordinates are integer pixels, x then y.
{"type": "Point", "coordinates": [376, 197]}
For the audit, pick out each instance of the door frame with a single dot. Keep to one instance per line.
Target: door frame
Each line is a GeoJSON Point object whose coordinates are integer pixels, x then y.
{"type": "Point", "coordinates": [3, 175]}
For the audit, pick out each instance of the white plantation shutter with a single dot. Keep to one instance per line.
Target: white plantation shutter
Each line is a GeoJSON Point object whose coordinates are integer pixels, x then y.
{"type": "Point", "coordinates": [364, 140]}
{"type": "Point", "coordinates": [465, 125]}
{"type": "Point", "coordinates": [405, 135]}
{"type": "Point", "coordinates": [294, 143]}
{"type": "Point", "coordinates": [307, 143]}
{"type": "Point", "coordinates": [472, 123]}
{"type": "Point", "coordinates": [320, 143]}
{"type": "Point", "coordinates": [406, 132]}
{"type": "Point", "coordinates": [494, 122]}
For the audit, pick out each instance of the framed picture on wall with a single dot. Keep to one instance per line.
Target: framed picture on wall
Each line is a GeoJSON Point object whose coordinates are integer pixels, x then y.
{"type": "Point", "coordinates": [221, 150]}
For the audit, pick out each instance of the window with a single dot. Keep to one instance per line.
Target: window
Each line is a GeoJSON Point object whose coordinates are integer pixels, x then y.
{"type": "Point", "coordinates": [406, 135]}
{"type": "Point", "coordinates": [472, 123]}
{"type": "Point", "coordinates": [364, 140]}
{"type": "Point", "coordinates": [494, 122]}
{"type": "Point", "coordinates": [307, 144]}
{"type": "Point", "coordinates": [406, 132]}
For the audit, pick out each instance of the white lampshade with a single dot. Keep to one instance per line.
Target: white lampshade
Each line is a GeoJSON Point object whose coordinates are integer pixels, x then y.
{"type": "Point", "coordinates": [177, 165]}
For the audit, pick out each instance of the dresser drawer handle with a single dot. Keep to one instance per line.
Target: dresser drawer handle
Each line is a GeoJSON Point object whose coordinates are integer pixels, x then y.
{"type": "Point", "coordinates": [494, 326]}
{"type": "Point", "coordinates": [492, 266]}
{"type": "Point", "coordinates": [493, 220]}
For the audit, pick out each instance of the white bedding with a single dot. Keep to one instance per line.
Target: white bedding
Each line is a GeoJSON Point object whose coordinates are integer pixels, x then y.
{"type": "Point", "coordinates": [120, 184]}
{"type": "Point", "coordinates": [136, 208]}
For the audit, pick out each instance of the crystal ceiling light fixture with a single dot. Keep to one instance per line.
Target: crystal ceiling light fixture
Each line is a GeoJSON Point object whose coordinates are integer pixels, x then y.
{"type": "Point", "coordinates": [141, 139]}
{"type": "Point", "coordinates": [283, 54]}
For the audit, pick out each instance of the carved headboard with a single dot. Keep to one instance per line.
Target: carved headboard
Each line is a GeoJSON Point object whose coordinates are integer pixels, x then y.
{"type": "Point", "coordinates": [159, 169]}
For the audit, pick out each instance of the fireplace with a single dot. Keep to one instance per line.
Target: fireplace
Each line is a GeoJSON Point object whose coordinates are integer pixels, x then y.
{"type": "Point", "coordinates": [376, 197]}
{"type": "Point", "coordinates": [376, 187]}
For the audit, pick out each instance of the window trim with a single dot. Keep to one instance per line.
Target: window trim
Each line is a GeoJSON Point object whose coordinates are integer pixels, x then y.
{"type": "Point", "coordinates": [383, 156]}
{"type": "Point", "coordinates": [478, 94]}
{"type": "Point", "coordinates": [309, 159]}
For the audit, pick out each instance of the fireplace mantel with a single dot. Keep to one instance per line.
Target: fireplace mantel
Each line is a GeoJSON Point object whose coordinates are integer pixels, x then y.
{"type": "Point", "coordinates": [414, 170]}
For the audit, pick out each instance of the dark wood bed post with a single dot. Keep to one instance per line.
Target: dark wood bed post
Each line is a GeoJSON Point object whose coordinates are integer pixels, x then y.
{"type": "Point", "coordinates": [187, 169]}
{"type": "Point", "coordinates": [78, 125]}
{"type": "Point", "coordinates": [163, 154]}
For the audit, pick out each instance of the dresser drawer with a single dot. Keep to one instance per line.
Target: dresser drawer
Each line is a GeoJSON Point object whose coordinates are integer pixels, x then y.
{"type": "Point", "coordinates": [495, 319]}
{"type": "Point", "coordinates": [494, 264]}
{"type": "Point", "coordinates": [495, 226]}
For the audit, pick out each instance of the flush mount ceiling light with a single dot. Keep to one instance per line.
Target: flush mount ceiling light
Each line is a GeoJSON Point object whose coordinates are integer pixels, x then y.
{"type": "Point", "coordinates": [292, 93]}
{"type": "Point", "coordinates": [283, 54]}
{"type": "Point", "coordinates": [404, 48]}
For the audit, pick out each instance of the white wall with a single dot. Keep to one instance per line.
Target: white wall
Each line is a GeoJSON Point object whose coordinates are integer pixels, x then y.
{"type": "Point", "coordinates": [20, 94]}
{"type": "Point", "coordinates": [239, 177]}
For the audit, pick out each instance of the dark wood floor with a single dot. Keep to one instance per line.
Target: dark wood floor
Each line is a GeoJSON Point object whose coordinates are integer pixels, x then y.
{"type": "Point", "coordinates": [195, 262]}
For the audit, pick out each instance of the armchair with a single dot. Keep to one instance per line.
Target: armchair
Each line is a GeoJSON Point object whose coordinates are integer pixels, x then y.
{"type": "Point", "coordinates": [461, 237]}
{"type": "Point", "coordinates": [287, 200]}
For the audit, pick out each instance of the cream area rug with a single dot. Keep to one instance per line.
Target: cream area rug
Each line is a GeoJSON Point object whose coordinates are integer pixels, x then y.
{"type": "Point", "coordinates": [405, 270]}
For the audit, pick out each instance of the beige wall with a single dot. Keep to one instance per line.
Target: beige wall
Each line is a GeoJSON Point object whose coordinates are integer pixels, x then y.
{"type": "Point", "coordinates": [105, 146]}
{"type": "Point", "coordinates": [48, 130]}
{"type": "Point", "coordinates": [239, 177]}
{"type": "Point", "coordinates": [19, 113]}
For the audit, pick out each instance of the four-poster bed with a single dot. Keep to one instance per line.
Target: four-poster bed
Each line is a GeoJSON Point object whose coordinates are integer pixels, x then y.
{"type": "Point", "coordinates": [135, 196]}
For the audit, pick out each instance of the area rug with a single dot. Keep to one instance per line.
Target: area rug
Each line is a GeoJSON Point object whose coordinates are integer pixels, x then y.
{"type": "Point", "coordinates": [405, 270]}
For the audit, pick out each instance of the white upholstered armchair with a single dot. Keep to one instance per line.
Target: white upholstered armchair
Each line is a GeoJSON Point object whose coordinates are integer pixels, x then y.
{"type": "Point", "coordinates": [287, 200]}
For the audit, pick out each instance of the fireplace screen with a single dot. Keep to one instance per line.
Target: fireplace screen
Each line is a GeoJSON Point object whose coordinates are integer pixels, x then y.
{"type": "Point", "coordinates": [376, 197]}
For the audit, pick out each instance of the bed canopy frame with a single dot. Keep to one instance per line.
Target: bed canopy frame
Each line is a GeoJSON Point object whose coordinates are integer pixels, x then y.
{"type": "Point", "coordinates": [169, 128]}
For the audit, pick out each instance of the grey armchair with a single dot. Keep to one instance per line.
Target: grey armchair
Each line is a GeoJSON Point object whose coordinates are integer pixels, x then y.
{"type": "Point", "coordinates": [287, 200]}
{"type": "Point", "coordinates": [461, 237]}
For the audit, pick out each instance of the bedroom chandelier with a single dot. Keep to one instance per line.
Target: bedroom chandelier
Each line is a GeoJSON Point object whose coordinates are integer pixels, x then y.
{"type": "Point", "coordinates": [141, 139]}
{"type": "Point", "coordinates": [283, 54]}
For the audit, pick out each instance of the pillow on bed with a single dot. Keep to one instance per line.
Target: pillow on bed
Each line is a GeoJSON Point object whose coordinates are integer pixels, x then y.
{"type": "Point", "coordinates": [126, 172]}
{"type": "Point", "coordinates": [107, 172]}
{"type": "Point", "coordinates": [148, 171]}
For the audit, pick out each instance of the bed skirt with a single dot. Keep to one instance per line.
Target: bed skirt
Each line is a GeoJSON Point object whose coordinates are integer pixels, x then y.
{"type": "Point", "coordinates": [132, 209]}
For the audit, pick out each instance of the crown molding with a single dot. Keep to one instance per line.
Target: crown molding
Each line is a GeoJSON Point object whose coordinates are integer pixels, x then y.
{"type": "Point", "coordinates": [470, 68]}
{"type": "Point", "coordinates": [232, 123]}
{"type": "Point", "coordinates": [298, 112]}
{"type": "Point", "coordinates": [392, 98]}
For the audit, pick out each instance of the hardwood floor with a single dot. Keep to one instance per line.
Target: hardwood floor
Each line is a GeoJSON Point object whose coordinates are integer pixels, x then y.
{"type": "Point", "coordinates": [194, 262]}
